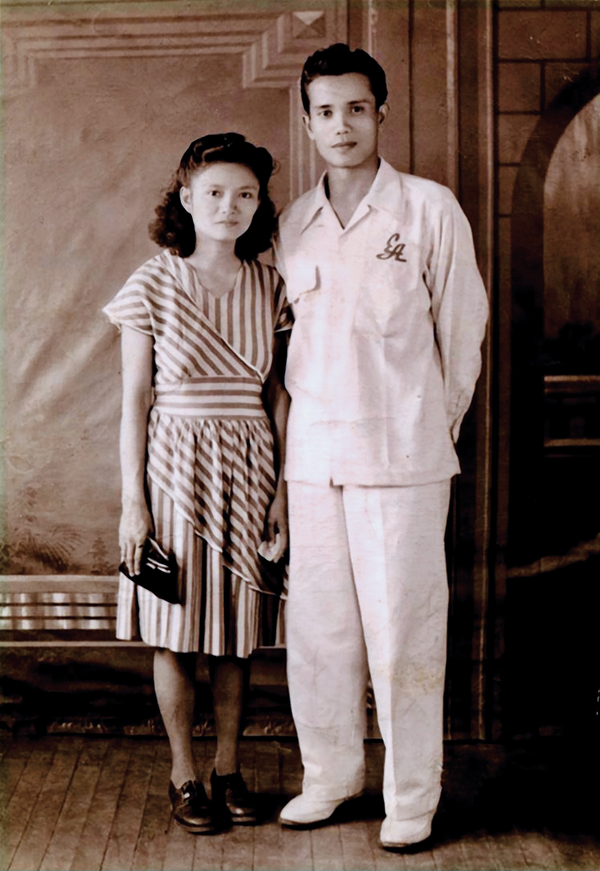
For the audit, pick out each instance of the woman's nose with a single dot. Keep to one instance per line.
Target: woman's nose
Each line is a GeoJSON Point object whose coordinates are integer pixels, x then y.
{"type": "Point", "coordinates": [229, 204]}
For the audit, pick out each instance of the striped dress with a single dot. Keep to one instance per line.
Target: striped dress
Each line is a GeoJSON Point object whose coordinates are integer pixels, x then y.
{"type": "Point", "coordinates": [210, 471]}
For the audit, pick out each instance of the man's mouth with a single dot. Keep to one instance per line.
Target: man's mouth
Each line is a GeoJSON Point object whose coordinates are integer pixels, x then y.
{"type": "Point", "coordinates": [344, 145]}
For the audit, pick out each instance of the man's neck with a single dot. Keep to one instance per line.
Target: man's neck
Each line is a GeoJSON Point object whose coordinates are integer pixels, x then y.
{"type": "Point", "coordinates": [347, 187]}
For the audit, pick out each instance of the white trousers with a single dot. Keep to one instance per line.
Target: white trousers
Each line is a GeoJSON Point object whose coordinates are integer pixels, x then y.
{"type": "Point", "coordinates": [369, 593]}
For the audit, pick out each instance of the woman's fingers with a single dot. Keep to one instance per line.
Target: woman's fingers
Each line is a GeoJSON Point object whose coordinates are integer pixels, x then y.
{"type": "Point", "coordinates": [283, 541]}
{"type": "Point", "coordinates": [136, 526]}
{"type": "Point", "coordinates": [281, 548]}
{"type": "Point", "coordinates": [131, 554]}
{"type": "Point", "coordinates": [277, 532]}
{"type": "Point", "coordinates": [137, 558]}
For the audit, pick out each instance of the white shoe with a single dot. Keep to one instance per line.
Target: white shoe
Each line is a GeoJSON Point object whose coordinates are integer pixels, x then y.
{"type": "Point", "coordinates": [397, 834]}
{"type": "Point", "coordinates": [304, 812]}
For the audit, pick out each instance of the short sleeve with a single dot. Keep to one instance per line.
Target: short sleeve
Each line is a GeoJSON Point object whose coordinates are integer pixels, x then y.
{"type": "Point", "coordinates": [130, 307]}
{"type": "Point", "coordinates": [284, 319]}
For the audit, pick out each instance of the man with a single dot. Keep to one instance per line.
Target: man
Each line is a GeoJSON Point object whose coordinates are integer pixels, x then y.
{"type": "Point", "coordinates": [390, 313]}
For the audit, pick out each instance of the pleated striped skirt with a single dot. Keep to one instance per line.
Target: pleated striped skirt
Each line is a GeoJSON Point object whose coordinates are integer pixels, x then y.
{"type": "Point", "coordinates": [220, 614]}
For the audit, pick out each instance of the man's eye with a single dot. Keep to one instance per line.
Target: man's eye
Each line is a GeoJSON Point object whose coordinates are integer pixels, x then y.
{"type": "Point", "coordinates": [214, 193]}
{"type": "Point", "coordinates": [247, 195]}
{"type": "Point", "coordinates": [325, 113]}
{"type": "Point", "coordinates": [357, 109]}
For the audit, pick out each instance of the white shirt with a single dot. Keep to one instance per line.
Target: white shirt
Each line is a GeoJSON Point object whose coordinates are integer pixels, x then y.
{"type": "Point", "coordinates": [390, 313]}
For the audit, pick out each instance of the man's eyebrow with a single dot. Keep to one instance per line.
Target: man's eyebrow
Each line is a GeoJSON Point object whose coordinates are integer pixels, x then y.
{"type": "Point", "coordinates": [349, 103]}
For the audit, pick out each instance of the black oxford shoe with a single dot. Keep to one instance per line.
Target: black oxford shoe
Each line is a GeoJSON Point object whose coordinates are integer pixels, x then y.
{"type": "Point", "coordinates": [191, 808]}
{"type": "Point", "coordinates": [231, 800]}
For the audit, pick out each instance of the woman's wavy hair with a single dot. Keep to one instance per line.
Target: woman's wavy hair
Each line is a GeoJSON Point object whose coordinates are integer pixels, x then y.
{"type": "Point", "coordinates": [173, 227]}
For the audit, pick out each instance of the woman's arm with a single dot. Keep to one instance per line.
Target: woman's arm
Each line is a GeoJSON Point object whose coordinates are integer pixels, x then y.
{"type": "Point", "coordinates": [136, 520]}
{"type": "Point", "coordinates": [277, 401]}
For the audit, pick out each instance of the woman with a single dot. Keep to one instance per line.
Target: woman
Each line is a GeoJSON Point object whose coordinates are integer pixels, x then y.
{"type": "Point", "coordinates": [201, 324]}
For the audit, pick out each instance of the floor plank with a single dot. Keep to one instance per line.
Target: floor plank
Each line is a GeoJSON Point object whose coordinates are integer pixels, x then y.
{"type": "Point", "coordinates": [209, 851]}
{"type": "Point", "coordinates": [179, 850]}
{"type": "Point", "coordinates": [127, 821]}
{"type": "Point", "coordinates": [11, 769]}
{"type": "Point", "coordinates": [95, 834]}
{"type": "Point", "coordinates": [85, 803]}
{"type": "Point", "coordinates": [67, 832]}
{"type": "Point", "coordinates": [420, 860]}
{"type": "Point", "coordinates": [539, 853]}
{"type": "Point", "coordinates": [296, 850]}
{"type": "Point", "coordinates": [16, 815]}
{"type": "Point", "coordinates": [507, 851]}
{"type": "Point", "coordinates": [476, 853]}
{"type": "Point", "coordinates": [149, 854]}
{"type": "Point", "coordinates": [268, 847]}
{"type": "Point", "coordinates": [357, 850]}
{"type": "Point", "coordinates": [48, 806]}
{"type": "Point", "coordinates": [326, 845]}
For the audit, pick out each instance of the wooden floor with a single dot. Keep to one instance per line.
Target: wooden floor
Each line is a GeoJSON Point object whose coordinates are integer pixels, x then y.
{"type": "Point", "coordinates": [79, 802]}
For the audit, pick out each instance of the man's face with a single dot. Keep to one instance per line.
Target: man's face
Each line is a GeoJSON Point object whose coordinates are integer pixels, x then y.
{"type": "Point", "coordinates": [344, 120]}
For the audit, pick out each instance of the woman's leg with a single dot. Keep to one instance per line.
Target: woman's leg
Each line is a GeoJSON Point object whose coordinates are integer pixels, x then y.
{"type": "Point", "coordinates": [232, 803]}
{"type": "Point", "coordinates": [228, 679]}
{"type": "Point", "coordinates": [174, 682]}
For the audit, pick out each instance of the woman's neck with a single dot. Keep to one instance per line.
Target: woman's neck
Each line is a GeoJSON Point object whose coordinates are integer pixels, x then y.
{"type": "Point", "coordinates": [213, 255]}
{"type": "Point", "coordinates": [216, 264]}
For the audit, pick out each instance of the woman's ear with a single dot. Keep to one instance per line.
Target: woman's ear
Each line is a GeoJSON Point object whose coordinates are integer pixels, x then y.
{"type": "Point", "coordinates": [382, 112]}
{"type": "Point", "coordinates": [185, 195]}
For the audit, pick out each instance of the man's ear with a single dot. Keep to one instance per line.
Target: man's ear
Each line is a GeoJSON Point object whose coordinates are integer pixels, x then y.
{"type": "Point", "coordinates": [185, 195]}
{"type": "Point", "coordinates": [382, 112]}
{"type": "Point", "coordinates": [308, 126]}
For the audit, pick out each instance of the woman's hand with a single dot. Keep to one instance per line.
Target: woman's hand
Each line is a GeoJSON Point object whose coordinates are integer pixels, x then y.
{"type": "Point", "coordinates": [277, 522]}
{"type": "Point", "coordinates": [135, 527]}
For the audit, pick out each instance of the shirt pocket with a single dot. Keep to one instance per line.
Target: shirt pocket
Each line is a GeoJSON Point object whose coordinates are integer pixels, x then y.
{"type": "Point", "coordinates": [393, 291]}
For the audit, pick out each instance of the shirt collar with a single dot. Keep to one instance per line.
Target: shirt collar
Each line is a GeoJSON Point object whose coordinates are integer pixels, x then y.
{"type": "Point", "coordinates": [384, 194]}
{"type": "Point", "coordinates": [386, 191]}
{"type": "Point", "coordinates": [317, 203]}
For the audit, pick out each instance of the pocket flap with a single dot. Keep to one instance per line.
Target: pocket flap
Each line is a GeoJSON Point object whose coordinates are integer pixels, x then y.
{"type": "Point", "coordinates": [303, 277]}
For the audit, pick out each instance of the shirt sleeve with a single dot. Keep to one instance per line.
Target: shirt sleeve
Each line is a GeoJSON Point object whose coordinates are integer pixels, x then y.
{"type": "Point", "coordinates": [131, 307]}
{"type": "Point", "coordinates": [460, 311]}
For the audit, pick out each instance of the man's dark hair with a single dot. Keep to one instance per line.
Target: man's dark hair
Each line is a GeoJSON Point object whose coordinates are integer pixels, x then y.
{"type": "Point", "coordinates": [173, 227]}
{"type": "Point", "coordinates": [337, 60]}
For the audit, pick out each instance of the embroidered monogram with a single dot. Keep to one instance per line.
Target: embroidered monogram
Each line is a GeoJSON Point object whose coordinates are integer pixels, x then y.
{"type": "Point", "coordinates": [393, 248]}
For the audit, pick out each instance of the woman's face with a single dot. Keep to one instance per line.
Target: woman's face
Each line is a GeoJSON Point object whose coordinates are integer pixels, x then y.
{"type": "Point", "coordinates": [222, 199]}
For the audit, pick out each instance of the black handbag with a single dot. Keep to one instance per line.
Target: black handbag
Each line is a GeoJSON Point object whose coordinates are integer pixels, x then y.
{"type": "Point", "coordinates": [158, 572]}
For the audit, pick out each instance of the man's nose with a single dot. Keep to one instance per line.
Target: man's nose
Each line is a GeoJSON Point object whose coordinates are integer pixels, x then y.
{"type": "Point", "coordinates": [342, 122]}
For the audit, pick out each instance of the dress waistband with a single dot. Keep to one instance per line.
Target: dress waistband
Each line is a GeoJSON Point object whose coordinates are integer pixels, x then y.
{"type": "Point", "coordinates": [211, 397]}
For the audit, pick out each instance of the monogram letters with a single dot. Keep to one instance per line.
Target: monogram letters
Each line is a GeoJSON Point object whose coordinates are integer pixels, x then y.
{"type": "Point", "coordinates": [393, 248]}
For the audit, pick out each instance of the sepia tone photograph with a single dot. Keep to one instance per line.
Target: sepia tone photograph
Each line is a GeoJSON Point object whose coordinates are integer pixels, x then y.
{"type": "Point", "coordinates": [300, 435]}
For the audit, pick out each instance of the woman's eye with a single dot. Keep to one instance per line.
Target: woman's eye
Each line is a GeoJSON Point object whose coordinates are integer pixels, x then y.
{"type": "Point", "coordinates": [214, 193]}
{"type": "Point", "coordinates": [247, 195]}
